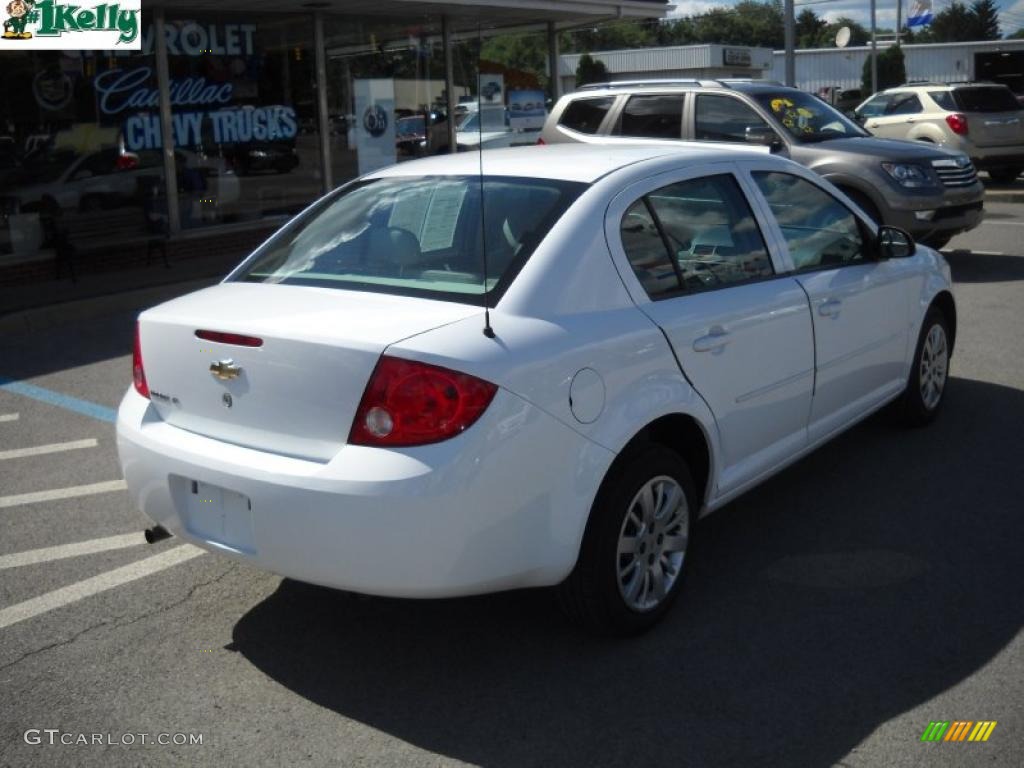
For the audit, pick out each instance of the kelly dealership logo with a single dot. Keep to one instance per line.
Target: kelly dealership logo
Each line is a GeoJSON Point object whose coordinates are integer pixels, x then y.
{"type": "Point", "coordinates": [52, 25]}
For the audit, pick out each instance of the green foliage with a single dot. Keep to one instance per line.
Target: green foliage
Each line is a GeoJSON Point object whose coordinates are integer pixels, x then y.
{"type": "Point", "coordinates": [590, 70]}
{"type": "Point", "coordinates": [892, 70]}
{"type": "Point", "coordinates": [960, 23]}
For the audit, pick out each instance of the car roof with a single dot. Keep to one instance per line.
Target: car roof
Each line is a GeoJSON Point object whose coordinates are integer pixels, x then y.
{"type": "Point", "coordinates": [568, 162]}
{"type": "Point", "coordinates": [668, 84]}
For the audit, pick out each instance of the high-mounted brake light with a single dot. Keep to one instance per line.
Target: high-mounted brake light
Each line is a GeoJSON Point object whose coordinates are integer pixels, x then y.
{"type": "Point", "coordinates": [138, 372]}
{"type": "Point", "coordinates": [957, 123]}
{"type": "Point", "coordinates": [229, 338]}
{"type": "Point", "coordinates": [410, 403]}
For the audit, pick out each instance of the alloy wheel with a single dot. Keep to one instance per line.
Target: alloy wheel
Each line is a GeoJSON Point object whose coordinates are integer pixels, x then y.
{"type": "Point", "coordinates": [652, 543]}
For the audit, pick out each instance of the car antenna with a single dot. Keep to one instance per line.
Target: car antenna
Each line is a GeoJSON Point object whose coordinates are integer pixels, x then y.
{"type": "Point", "coordinates": [488, 330]}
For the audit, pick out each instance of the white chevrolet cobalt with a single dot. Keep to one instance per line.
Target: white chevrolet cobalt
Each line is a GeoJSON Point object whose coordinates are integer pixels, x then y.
{"type": "Point", "coordinates": [666, 327]}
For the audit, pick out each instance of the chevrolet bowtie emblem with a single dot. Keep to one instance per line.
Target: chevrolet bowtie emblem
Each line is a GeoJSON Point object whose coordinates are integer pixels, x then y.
{"type": "Point", "coordinates": [225, 370]}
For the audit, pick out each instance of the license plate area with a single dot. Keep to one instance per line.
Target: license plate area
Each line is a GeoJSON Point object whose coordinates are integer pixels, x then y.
{"type": "Point", "coordinates": [218, 515]}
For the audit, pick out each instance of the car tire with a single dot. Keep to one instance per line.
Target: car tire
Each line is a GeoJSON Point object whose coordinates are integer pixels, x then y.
{"type": "Point", "coordinates": [865, 204]}
{"type": "Point", "coordinates": [635, 545]}
{"type": "Point", "coordinates": [1004, 175]}
{"type": "Point", "coordinates": [929, 374]}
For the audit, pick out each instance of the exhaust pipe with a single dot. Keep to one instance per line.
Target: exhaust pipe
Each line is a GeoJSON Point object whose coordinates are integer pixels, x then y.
{"type": "Point", "coordinates": [156, 533]}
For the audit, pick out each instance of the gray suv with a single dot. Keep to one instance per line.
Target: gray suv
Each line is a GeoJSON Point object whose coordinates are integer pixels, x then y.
{"type": "Point", "coordinates": [930, 192]}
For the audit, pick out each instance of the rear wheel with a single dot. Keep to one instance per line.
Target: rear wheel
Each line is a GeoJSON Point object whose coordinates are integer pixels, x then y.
{"type": "Point", "coordinates": [1004, 175]}
{"type": "Point", "coordinates": [633, 555]}
{"type": "Point", "coordinates": [926, 387]}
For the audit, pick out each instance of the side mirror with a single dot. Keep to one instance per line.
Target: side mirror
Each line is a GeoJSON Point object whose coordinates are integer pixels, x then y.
{"type": "Point", "coordinates": [894, 243]}
{"type": "Point", "coordinates": [763, 135]}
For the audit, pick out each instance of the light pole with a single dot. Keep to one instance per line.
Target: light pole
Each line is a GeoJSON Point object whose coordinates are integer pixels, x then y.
{"type": "Point", "coordinates": [789, 23]}
{"type": "Point", "coordinates": [874, 52]}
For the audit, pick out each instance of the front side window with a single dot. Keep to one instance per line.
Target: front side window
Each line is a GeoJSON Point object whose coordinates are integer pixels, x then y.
{"type": "Point", "coordinates": [694, 235]}
{"type": "Point", "coordinates": [654, 117]}
{"type": "Point", "coordinates": [585, 115]}
{"type": "Point", "coordinates": [416, 236]}
{"type": "Point", "coordinates": [819, 230]}
{"type": "Point", "coordinates": [724, 118]}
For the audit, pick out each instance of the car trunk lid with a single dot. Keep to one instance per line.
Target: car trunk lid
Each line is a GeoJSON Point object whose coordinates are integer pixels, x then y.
{"type": "Point", "coordinates": [297, 391]}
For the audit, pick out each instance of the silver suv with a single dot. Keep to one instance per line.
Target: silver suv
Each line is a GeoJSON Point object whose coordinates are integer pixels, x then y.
{"type": "Point", "coordinates": [930, 192]}
{"type": "Point", "coordinates": [983, 120]}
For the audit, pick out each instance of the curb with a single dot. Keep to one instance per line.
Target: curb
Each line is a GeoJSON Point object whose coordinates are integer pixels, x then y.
{"type": "Point", "coordinates": [83, 310]}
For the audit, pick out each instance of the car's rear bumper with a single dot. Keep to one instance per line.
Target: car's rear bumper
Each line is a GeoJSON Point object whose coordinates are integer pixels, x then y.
{"type": "Point", "coordinates": [501, 506]}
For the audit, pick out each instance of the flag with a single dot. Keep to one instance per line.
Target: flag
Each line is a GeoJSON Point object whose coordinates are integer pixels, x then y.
{"type": "Point", "coordinates": [920, 13]}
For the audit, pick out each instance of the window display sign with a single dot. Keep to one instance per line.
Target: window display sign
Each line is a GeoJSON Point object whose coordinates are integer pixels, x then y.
{"type": "Point", "coordinates": [492, 89]}
{"type": "Point", "coordinates": [49, 25]}
{"type": "Point", "coordinates": [526, 110]}
{"type": "Point", "coordinates": [375, 123]}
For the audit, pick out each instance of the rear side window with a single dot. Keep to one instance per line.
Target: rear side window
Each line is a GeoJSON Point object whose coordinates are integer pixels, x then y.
{"type": "Point", "coordinates": [416, 236]}
{"type": "Point", "coordinates": [654, 117]}
{"type": "Point", "coordinates": [585, 115]}
{"type": "Point", "coordinates": [944, 99]}
{"type": "Point", "coordinates": [990, 98]}
{"type": "Point", "coordinates": [692, 236]}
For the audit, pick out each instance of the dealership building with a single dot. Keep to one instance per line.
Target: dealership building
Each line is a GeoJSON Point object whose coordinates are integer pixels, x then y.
{"type": "Point", "coordinates": [234, 115]}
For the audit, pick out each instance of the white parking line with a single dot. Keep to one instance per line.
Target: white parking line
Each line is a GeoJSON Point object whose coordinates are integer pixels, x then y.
{"type": "Point", "coordinates": [62, 493]}
{"type": "Point", "coordinates": [8, 416]}
{"type": "Point", "coordinates": [82, 589]}
{"type": "Point", "coordinates": [46, 554]}
{"type": "Point", "coordinates": [39, 450]}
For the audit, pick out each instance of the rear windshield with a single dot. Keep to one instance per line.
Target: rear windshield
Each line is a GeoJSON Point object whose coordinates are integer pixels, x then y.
{"type": "Point", "coordinates": [416, 236]}
{"type": "Point", "coordinates": [993, 98]}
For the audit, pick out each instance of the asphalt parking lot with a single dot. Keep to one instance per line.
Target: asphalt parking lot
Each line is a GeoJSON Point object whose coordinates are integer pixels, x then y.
{"type": "Point", "coordinates": [828, 616]}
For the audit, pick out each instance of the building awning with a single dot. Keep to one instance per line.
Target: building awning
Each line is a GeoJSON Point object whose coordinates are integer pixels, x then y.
{"type": "Point", "coordinates": [489, 12]}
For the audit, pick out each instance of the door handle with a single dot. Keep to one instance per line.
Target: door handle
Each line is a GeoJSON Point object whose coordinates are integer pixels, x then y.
{"type": "Point", "coordinates": [716, 339]}
{"type": "Point", "coordinates": [829, 307]}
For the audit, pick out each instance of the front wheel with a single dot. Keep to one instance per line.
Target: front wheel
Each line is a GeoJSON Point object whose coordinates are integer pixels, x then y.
{"type": "Point", "coordinates": [633, 555]}
{"type": "Point", "coordinates": [926, 387]}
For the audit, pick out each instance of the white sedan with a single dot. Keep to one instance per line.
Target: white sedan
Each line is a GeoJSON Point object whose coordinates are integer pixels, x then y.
{"type": "Point", "coordinates": [665, 328]}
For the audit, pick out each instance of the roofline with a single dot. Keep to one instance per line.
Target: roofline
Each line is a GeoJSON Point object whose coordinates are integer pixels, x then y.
{"type": "Point", "coordinates": [1012, 43]}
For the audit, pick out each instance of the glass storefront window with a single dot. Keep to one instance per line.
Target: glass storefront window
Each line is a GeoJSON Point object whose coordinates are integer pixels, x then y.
{"type": "Point", "coordinates": [385, 92]}
{"type": "Point", "coordinates": [68, 185]}
{"type": "Point", "coordinates": [244, 110]}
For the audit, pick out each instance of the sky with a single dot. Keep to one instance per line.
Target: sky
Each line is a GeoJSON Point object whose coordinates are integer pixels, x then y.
{"type": "Point", "coordinates": [1011, 15]}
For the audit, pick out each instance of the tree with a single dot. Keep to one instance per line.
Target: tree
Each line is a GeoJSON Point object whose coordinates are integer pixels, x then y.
{"type": "Point", "coordinates": [892, 70]}
{"type": "Point", "coordinates": [986, 20]}
{"type": "Point", "coordinates": [590, 70]}
{"type": "Point", "coordinates": [809, 29]}
{"type": "Point", "coordinates": [1018, 35]}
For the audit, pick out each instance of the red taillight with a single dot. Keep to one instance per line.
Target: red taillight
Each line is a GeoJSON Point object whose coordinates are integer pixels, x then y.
{"type": "Point", "coordinates": [138, 372]}
{"type": "Point", "coordinates": [127, 162]}
{"type": "Point", "coordinates": [230, 338]}
{"type": "Point", "coordinates": [541, 140]}
{"type": "Point", "coordinates": [411, 403]}
{"type": "Point", "coordinates": [957, 123]}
